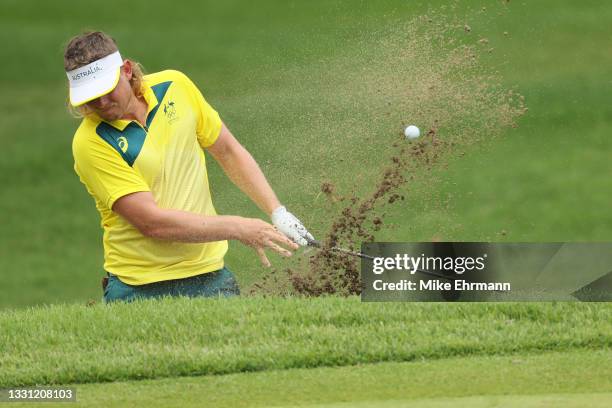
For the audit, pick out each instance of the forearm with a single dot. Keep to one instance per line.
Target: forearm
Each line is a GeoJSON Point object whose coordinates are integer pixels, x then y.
{"type": "Point", "coordinates": [245, 173]}
{"type": "Point", "coordinates": [141, 210]}
{"type": "Point", "coordinates": [182, 226]}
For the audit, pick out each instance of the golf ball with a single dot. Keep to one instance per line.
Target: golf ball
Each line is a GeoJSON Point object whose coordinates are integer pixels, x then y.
{"type": "Point", "coordinates": [412, 132]}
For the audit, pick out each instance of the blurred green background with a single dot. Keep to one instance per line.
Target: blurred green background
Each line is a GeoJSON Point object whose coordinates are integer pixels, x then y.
{"type": "Point", "coordinates": [547, 180]}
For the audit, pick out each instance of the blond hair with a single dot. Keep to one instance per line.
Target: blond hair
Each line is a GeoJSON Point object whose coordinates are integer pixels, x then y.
{"type": "Point", "coordinates": [88, 47]}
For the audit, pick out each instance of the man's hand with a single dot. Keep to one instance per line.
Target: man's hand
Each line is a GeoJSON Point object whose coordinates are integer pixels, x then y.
{"type": "Point", "coordinates": [260, 235]}
{"type": "Point", "coordinates": [289, 225]}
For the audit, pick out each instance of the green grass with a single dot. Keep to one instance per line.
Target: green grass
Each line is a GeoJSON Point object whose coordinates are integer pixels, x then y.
{"type": "Point", "coordinates": [181, 337]}
{"type": "Point", "coordinates": [570, 379]}
{"type": "Point", "coordinates": [285, 78]}
{"type": "Point", "coordinates": [270, 70]}
{"type": "Point", "coordinates": [573, 378]}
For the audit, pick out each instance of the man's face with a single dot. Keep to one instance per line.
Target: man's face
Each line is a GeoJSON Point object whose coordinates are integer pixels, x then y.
{"type": "Point", "coordinates": [114, 105]}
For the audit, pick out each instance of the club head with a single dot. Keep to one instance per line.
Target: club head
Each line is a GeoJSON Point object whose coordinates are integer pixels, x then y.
{"type": "Point", "coordinates": [313, 242]}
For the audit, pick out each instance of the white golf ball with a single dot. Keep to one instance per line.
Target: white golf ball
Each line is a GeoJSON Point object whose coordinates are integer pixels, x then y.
{"type": "Point", "coordinates": [412, 132]}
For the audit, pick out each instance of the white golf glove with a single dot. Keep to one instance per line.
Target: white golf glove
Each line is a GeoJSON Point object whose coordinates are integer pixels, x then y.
{"type": "Point", "coordinates": [289, 225]}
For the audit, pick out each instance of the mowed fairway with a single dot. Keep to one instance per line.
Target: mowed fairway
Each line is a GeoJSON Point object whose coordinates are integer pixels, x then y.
{"type": "Point", "coordinates": [571, 379]}
{"type": "Point", "coordinates": [275, 352]}
{"type": "Point", "coordinates": [181, 337]}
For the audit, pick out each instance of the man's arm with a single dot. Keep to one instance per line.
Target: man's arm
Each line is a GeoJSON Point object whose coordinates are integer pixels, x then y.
{"type": "Point", "coordinates": [243, 170]}
{"type": "Point", "coordinates": [141, 210]}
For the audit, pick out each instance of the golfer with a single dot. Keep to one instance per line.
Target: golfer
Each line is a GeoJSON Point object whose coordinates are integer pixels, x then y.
{"type": "Point", "coordinates": [141, 151]}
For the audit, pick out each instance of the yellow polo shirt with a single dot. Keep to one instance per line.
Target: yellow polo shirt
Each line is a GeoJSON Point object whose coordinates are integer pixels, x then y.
{"type": "Point", "coordinates": [165, 157]}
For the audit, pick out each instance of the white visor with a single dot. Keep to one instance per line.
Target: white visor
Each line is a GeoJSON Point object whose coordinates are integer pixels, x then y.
{"type": "Point", "coordinates": [94, 80]}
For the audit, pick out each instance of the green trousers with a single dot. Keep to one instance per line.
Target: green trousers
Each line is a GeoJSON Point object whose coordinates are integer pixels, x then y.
{"type": "Point", "coordinates": [212, 284]}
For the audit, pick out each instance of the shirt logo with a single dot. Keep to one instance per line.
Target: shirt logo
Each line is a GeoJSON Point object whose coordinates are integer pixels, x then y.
{"type": "Point", "coordinates": [170, 111]}
{"type": "Point", "coordinates": [123, 144]}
